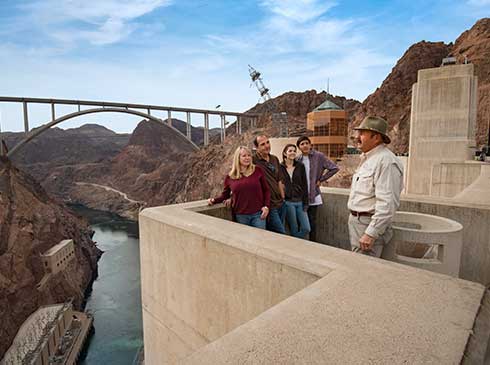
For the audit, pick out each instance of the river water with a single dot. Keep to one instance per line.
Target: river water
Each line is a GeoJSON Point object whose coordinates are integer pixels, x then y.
{"type": "Point", "coordinates": [115, 301]}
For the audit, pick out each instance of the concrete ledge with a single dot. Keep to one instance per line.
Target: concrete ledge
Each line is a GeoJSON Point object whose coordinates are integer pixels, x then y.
{"type": "Point", "coordinates": [217, 292]}
{"type": "Point", "coordinates": [475, 254]}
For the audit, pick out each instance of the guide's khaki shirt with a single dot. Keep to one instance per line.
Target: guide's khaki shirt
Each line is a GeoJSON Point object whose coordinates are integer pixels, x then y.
{"type": "Point", "coordinates": [376, 188]}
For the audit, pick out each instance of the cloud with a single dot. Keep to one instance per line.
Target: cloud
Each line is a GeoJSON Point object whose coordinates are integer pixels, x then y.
{"type": "Point", "coordinates": [479, 3]}
{"type": "Point", "coordinates": [96, 22]}
{"type": "Point", "coordinates": [298, 10]}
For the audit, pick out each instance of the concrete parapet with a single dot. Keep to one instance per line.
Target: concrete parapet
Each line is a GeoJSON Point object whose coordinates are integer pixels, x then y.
{"type": "Point", "coordinates": [217, 292]}
{"type": "Point", "coordinates": [479, 191]}
{"type": "Point", "coordinates": [442, 238]}
{"type": "Point", "coordinates": [451, 178]}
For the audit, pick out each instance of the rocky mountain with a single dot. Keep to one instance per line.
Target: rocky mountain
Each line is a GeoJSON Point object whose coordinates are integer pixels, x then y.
{"type": "Point", "coordinates": [30, 223]}
{"type": "Point", "coordinates": [88, 143]}
{"type": "Point", "coordinates": [130, 179]}
{"type": "Point", "coordinates": [474, 44]}
{"type": "Point", "coordinates": [297, 105]}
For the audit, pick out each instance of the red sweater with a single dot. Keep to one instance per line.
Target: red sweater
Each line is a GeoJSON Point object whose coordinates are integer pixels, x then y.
{"type": "Point", "coordinates": [250, 193]}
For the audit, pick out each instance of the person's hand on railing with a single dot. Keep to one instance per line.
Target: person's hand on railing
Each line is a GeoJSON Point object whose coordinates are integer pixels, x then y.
{"type": "Point", "coordinates": [210, 201]}
{"type": "Point", "coordinates": [227, 203]}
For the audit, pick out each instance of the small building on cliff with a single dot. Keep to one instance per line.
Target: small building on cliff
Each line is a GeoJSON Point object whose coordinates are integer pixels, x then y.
{"type": "Point", "coordinates": [57, 257]}
{"type": "Point", "coordinates": [327, 124]}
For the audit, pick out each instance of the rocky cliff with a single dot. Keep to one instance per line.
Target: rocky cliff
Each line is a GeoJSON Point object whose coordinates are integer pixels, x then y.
{"type": "Point", "coordinates": [297, 105]}
{"type": "Point", "coordinates": [30, 223]}
{"type": "Point", "coordinates": [474, 44]}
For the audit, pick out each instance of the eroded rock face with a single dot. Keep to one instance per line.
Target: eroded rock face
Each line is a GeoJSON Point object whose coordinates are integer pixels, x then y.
{"type": "Point", "coordinates": [475, 45]}
{"type": "Point", "coordinates": [30, 223]}
{"type": "Point", "coordinates": [297, 105]}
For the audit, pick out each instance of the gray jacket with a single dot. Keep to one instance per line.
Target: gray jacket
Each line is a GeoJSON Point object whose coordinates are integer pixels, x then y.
{"type": "Point", "coordinates": [321, 169]}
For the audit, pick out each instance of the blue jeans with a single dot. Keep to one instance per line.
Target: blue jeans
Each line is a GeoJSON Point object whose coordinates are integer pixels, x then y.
{"type": "Point", "coordinates": [275, 220]}
{"type": "Point", "coordinates": [299, 225]}
{"type": "Point", "coordinates": [252, 220]}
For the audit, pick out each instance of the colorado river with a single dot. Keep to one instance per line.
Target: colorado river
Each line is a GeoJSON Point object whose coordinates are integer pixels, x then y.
{"type": "Point", "coordinates": [115, 301]}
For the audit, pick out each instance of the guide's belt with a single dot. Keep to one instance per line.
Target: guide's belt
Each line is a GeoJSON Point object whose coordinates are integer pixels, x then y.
{"type": "Point", "coordinates": [361, 214]}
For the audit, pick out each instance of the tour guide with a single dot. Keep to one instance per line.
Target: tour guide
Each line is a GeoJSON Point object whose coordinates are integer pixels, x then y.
{"type": "Point", "coordinates": [375, 191]}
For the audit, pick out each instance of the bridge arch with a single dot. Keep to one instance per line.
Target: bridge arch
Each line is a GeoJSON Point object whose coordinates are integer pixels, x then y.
{"type": "Point", "coordinates": [59, 120]}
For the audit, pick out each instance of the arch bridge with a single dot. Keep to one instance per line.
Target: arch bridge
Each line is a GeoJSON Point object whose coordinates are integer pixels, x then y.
{"type": "Point", "coordinates": [142, 110]}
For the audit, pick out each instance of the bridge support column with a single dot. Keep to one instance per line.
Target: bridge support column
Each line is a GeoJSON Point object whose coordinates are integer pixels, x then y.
{"type": "Point", "coordinates": [223, 128]}
{"type": "Point", "coordinates": [2, 152]}
{"type": "Point", "coordinates": [238, 124]}
{"type": "Point", "coordinates": [169, 117]}
{"type": "Point", "coordinates": [53, 112]}
{"type": "Point", "coordinates": [188, 125]}
{"type": "Point", "coordinates": [26, 117]}
{"type": "Point", "coordinates": [206, 129]}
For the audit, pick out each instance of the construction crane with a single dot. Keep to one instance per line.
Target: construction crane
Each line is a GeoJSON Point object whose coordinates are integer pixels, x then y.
{"type": "Point", "coordinates": [277, 118]}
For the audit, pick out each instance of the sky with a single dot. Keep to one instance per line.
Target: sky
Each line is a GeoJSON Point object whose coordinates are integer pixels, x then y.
{"type": "Point", "coordinates": [196, 53]}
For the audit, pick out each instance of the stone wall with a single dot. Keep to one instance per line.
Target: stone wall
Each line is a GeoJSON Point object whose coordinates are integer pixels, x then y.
{"type": "Point", "coordinates": [218, 292]}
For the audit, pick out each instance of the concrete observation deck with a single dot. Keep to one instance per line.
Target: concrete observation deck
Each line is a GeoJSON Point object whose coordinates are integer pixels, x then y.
{"type": "Point", "coordinates": [217, 292]}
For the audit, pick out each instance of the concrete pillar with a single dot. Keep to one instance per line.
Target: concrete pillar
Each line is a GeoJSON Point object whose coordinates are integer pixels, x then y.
{"type": "Point", "coordinates": [2, 152]}
{"type": "Point", "coordinates": [26, 117]}
{"type": "Point", "coordinates": [238, 126]}
{"type": "Point", "coordinates": [188, 126]}
{"type": "Point", "coordinates": [442, 126]}
{"type": "Point", "coordinates": [148, 111]}
{"type": "Point", "coordinates": [53, 112]}
{"type": "Point", "coordinates": [169, 117]}
{"type": "Point", "coordinates": [223, 127]}
{"type": "Point", "coordinates": [206, 129]}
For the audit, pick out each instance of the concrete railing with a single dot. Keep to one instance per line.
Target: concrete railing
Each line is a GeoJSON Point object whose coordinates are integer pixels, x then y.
{"type": "Point", "coordinates": [218, 292]}
{"type": "Point", "coordinates": [427, 242]}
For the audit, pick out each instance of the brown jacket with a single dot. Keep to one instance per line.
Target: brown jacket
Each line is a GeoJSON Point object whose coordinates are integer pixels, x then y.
{"type": "Point", "coordinates": [272, 171]}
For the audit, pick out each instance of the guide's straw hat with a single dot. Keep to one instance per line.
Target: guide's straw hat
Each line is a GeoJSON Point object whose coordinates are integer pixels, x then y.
{"type": "Point", "coordinates": [375, 124]}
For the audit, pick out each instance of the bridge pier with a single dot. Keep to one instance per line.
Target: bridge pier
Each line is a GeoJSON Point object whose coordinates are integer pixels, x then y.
{"type": "Point", "coordinates": [238, 125]}
{"type": "Point", "coordinates": [223, 127]}
{"type": "Point", "coordinates": [169, 117]}
{"type": "Point", "coordinates": [206, 129]}
{"type": "Point", "coordinates": [188, 125]}
{"type": "Point", "coordinates": [26, 117]}
{"type": "Point", "coordinates": [53, 112]}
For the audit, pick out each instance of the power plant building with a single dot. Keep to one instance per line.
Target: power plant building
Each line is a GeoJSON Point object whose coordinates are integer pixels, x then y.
{"type": "Point", "coordinates": [327, 125]}
{"type": "Point", "coordinates": [58, 257]}
{"type": "Point", "coordinates": [54, 334]}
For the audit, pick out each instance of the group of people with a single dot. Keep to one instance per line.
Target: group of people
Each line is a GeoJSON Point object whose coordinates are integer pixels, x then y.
{"type": "Point", "coordinates": [270, 194]}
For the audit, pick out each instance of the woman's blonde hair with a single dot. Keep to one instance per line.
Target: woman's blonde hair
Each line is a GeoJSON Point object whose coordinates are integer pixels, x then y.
{"type": "Point", "coordinates": [235, 167]}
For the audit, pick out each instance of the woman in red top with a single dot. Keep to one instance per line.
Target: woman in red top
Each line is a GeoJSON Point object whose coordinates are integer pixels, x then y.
{"type": "Point", "coordinates": [251, 195]}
